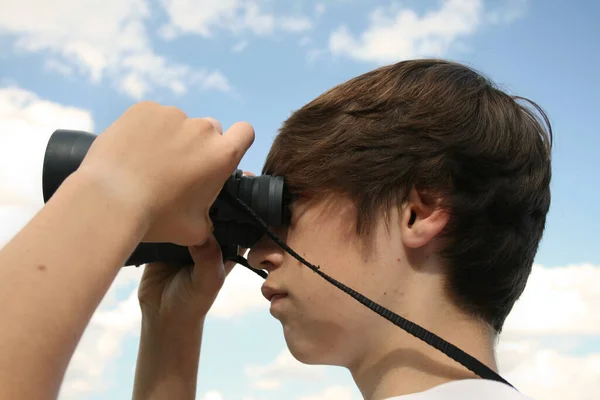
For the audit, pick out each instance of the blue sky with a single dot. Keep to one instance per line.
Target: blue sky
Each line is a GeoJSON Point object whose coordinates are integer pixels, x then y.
{"type": "Point", "coordinates": [81, 63]}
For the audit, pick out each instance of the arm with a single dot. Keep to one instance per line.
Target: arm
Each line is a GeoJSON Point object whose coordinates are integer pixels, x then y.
{"type": "Point", "coordinates": [175, 301]}
{"type": "Point", "coordinates": [53, 275]}
{"type": "Point", "coordinates": [167, 365]}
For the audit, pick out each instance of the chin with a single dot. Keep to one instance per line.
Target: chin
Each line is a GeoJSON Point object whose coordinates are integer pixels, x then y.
{"type": "Point", "coordinates": [311, 352]}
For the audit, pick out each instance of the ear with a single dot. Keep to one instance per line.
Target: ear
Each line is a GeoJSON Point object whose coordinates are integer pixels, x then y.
{"type": "Point", "coordinates": [422, 219]}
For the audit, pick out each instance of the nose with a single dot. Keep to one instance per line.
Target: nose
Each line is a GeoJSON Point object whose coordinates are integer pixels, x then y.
{"type": "Point", "coordinates": [266, 254]}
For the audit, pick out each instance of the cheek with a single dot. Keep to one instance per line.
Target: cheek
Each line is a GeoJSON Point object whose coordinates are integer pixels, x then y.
{"type": "Point", "coordinates": [336, 254]}
{"type": "Point", "coordinates": [322, 322]}
{"type": "Point", "coordinates": [316, 297]}
{"type": "Point", "coordinates": [328, 242]}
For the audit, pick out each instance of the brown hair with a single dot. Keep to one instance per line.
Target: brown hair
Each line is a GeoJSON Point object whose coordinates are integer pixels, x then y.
{"type": "Point", "coordinates": [442, 128]}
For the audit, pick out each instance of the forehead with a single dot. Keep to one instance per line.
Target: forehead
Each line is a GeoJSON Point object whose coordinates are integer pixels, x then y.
{"type": "Point", "coordinates": [331, 224]}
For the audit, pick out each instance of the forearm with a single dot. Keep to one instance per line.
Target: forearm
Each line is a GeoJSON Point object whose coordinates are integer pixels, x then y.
{"type": "Point", "coordinates": [53, 275]}
{"type": "Point", "coordinates": [167, 365]}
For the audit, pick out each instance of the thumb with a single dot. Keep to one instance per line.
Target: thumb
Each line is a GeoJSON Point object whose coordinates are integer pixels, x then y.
{"type": "Point", "coordinates": [239, 137]}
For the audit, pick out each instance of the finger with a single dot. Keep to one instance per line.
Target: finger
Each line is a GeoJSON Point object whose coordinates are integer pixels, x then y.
{"type": "Point", "coordinates": [239, 138]}
{"type": "Point", "coordinates": [247, 173]}
{"type": "Point", "coordinates": [229, 266]}
{"type": "Point", "coordinates": [216, 124]}
{"type": "Point", "coordinates": [159, 271]}
{"type": "Point", "coordinates": [207, 259]}
{"type": "Point", "coordinates": [207, 251]}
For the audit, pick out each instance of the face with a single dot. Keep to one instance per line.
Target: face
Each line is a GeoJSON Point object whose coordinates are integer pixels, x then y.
{"type": "Point", "coordinates": [322, 324]}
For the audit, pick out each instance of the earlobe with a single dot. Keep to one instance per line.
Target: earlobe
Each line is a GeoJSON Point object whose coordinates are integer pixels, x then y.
{"type": "Point", "coordinates": [421, 220]}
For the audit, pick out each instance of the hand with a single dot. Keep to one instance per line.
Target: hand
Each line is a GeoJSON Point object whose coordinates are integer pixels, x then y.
{"type": "Point", "coordinates": [182, 296]}
{"type": "Point", "coordinates": [176, 295]}
{"type": "Point", "coordinates": [172, 167]}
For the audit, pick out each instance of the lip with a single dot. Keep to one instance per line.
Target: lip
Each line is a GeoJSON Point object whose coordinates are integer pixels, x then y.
{"type": "Point", "coordinates": [271, 294]}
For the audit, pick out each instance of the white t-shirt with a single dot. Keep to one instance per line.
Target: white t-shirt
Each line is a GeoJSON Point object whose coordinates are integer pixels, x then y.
{"type": "Point", "coordinates": [467, 389]}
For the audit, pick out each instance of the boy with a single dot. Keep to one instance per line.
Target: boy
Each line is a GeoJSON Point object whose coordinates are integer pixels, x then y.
{"type": "Point", "coordinates": [426, 190]}
{"type": "Point", "coordinates": [420, 185]}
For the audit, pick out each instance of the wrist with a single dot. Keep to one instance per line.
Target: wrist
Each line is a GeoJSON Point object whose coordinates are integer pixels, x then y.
{"type": "Point", "coordinates": [172, 346]}
{"type": "Point", "coordinates": [171, 327]}
{"type": "Point", "coordinates": [168, 359]}
{"type": "Point", "coordinates": [111, 187]}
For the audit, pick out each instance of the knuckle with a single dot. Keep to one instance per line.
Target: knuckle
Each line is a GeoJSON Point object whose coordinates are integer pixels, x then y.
{"type": "Point", "coordinates": [200, 230]}
{"type": "Point", "coordinates": [215, 124]}
{"type": "Point", "coordinates": [202, 125]}
{"type": "Point", "coordinates": [145, 105]}
{"type": "Point", "coordinates": [191, 237]}
{"type": "Point", "coordinates": [148, 106]}
{"type": "Point", "coordinates": [175, 112]}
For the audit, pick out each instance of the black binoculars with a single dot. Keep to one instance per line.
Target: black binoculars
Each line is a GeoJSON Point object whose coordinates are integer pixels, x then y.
{"type": "Point", "coordinates": [234, 227]}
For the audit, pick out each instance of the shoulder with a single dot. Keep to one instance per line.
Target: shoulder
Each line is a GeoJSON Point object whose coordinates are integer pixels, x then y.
{"type": "Point", "coordinates": [467, 389]}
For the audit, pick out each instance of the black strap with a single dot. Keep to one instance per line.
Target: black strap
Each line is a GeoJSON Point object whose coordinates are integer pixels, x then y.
{"type": "Point", "coordinates": [241, 260]}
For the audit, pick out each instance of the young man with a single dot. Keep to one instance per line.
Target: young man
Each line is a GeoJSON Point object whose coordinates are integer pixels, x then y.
{"type": "Point", "coordinates": [420, 185]}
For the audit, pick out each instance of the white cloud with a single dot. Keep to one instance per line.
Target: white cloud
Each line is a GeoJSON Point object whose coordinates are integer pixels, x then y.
{"type": "Point", "coordinates": [558, 308]}
{"type": "Point", "coordinates": [395, 33]}
{"type": "Point", "coordinates": [12, 218]}
{"type": "Point", "coordinates": [294, 24]}
{"type": "Point", "coordinates": [332, 392]}
{"type": "Point", "coordinates": [212, 395]}
{"type": "Point", "coordinates": [240, 295]}
{"type": "Point", "coordinates": [102, 342]}
{"type": "Point", "coordinates": [240, 46]}
{"type": "Point", "coordinates": [507, 12]}
{"type": "Point", "coordinates": [58, 66]}
{"type": "Point", "coordinates": [240, 17]}
{"type": "Point", "coordinates": [26, 123]}
{"type": "Point", "coordinates": [267, 384]}
{"type": "Point", "coordinates": [284, 367]}
{"type": "Point", "coordinates": [545, 373]}
{"type": "Point", "coordinates": [100, 38]}
{"type": "Point", "coordinates": [561, 300]}
{"type": "Point", "coordinates": [304, 41]}
{"type": "Point", "coordinates": [320, 9]}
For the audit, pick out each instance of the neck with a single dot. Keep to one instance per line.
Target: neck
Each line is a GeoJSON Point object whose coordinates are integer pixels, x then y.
{"type": "Point", "coordinates": [396, 363]}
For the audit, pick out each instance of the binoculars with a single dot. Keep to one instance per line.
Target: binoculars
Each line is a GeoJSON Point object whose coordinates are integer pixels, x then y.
{"type": "Point", "coordinates": [234, 227]}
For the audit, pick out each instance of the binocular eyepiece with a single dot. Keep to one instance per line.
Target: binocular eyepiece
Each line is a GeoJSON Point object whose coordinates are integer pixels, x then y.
{"type": "Point", "coordinates": [266, 195]}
